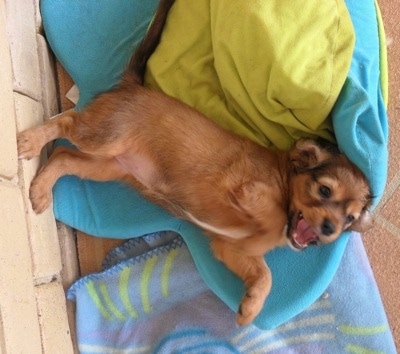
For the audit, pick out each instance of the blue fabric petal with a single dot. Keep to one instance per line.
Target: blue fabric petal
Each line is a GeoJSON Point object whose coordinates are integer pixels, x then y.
{"type": "Point", "coordinates": [359, 115]}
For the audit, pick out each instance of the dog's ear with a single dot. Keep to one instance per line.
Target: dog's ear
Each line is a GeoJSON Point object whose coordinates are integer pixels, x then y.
{"type": "Point", "coordinates": [363, 223]}
{"type": "Point", "coordinates": [308, 153]}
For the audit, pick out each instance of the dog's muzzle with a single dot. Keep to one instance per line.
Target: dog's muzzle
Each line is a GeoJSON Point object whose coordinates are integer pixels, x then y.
{"type": "Point", "coordinates": [301, 234]}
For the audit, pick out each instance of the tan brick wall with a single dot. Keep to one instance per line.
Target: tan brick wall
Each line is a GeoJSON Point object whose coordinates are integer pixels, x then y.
{"type": "Point", "coordinates": [33, 315]}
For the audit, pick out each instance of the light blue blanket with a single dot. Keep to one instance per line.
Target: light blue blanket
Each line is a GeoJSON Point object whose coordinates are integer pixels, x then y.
{"type": "Point", "coordinates": [151, 299]}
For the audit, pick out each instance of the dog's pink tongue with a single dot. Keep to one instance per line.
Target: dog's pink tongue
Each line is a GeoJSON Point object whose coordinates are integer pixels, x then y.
{"type": "Point", "coordinates": [304, 233]}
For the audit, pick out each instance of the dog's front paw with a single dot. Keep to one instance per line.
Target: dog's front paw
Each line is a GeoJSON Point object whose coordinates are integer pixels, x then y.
{"type": "Point", "coordinates": [250, 306]}
{"type": "Point", "coordinates": [29, 144]}
{"type": "Point", "coordinates": [39, 195]}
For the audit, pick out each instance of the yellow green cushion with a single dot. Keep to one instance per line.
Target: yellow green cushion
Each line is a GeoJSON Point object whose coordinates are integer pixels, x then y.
{"type": "Point", "coordinates": [245, 64]}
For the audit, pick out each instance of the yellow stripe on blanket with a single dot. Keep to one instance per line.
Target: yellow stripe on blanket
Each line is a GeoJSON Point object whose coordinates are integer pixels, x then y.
{"type": "Point", "coordinates": [269, 70]}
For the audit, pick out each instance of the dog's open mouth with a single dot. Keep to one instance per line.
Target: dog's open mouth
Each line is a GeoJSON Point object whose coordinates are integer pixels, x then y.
{"type": "Point", "coordinates": [301, 234]}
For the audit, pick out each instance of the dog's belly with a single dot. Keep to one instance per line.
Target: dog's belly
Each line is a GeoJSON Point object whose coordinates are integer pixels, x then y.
{"type": "Point", "coordinates": [138, 166]}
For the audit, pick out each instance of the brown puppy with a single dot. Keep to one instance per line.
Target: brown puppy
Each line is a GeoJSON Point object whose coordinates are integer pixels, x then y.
{"type": "Point", "coordinates": [248, 198]}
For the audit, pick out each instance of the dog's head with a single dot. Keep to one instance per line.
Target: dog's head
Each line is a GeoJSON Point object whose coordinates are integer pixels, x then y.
{"type": "Point", "coordinates": [328, 195]}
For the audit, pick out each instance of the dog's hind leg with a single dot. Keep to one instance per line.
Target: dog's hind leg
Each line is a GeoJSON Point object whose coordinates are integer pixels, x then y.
{"type": "Point", "coordinates": [95, 130]}
{"type": "Point", "coordinates": [31, 141]}
{"type": "Point", "coordinates": [255, 273]}
{"type": "Point", "coordinates": [66, 161]}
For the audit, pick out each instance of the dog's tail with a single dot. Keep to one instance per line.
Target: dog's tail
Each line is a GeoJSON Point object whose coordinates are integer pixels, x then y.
{"type": "Point", "coordinates": [137, 65]}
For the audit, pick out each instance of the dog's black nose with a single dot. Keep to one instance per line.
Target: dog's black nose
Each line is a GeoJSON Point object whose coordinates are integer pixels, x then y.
{"type": "Point", "coordinates": [327, 228]}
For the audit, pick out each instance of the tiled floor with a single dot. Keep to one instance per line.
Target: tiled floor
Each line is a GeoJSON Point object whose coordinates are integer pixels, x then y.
{"type": "Point", "coordinates": [32, 301]}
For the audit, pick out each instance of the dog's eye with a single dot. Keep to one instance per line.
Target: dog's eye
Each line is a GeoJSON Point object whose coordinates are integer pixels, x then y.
{"type": "Point", "coordinates": [349, 219]}
{"type": "Point", "coordinates": [325, 192]}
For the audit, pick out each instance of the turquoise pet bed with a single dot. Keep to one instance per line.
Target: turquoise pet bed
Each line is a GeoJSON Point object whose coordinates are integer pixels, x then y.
{"type": "Point", "coordinates": [93, 40]}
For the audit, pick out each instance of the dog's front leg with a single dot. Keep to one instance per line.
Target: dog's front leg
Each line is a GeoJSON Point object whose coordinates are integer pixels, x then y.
{"type": "Point", "coordinates": [66, 161]}
{"type": "Point", "coordinates": [255, 273]}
